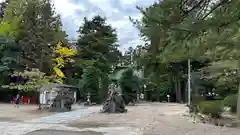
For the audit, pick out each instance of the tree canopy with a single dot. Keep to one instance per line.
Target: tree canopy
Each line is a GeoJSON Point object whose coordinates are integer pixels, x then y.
{"type": "Point", "coordinates": [204, 31]}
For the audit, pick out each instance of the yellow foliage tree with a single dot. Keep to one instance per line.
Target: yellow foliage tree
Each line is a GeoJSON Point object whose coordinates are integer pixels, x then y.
{"type": "Point", "coordinates": [63, 54]}
{"type": "Point", "coordinates": [9, 28]}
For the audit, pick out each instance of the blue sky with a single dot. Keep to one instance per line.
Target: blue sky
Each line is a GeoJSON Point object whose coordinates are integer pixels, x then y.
{"type": "Point", "coordinates": [116, 11]}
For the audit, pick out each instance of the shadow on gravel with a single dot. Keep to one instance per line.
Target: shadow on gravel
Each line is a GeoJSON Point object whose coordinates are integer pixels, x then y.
{"type": "Point", "coordinates": [89, 125]}
{"type": "Point", "coordinates": [62, 132]}
{"type": "Point", "coordinates": [7, 119]}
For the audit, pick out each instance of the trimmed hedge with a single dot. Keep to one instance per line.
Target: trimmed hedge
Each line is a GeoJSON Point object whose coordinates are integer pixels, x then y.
{"type": "Point", "coordinates": [231, 101]}
{"type": "Point", "coordinates": [194, 106]}
{"type": "Point", "coordinates": [213, 109]}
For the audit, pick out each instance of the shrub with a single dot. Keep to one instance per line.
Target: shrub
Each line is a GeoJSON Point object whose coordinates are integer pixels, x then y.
{"type": "Point", "coordinates": [197, 99]}
{"type": "Point", "coordinates": [231, 101]}
{"type": "Point", "coordinates": [211, 108]}
{"type": "Point", "coordinates": [193, 107]}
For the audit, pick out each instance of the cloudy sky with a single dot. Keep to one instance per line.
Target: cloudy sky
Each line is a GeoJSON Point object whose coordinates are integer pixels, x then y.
{"type": "Point", "coordinates": [116, 11]}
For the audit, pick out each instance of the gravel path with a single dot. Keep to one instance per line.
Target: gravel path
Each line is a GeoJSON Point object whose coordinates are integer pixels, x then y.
{"type": "Point", "coordinates": [154, 119]}
{"type": "Point", "coordinates": [55, 121]}
{"type": "Point", "coordinates": [56, 125]}
{"type": "Point", "coordinates": [66, 116]}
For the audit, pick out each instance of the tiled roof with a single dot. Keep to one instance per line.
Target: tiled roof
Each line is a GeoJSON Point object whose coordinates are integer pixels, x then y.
{"type": "Point", "coordinates": [118, 73]}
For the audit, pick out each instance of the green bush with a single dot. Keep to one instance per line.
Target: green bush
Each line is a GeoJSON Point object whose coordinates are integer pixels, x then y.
{"type": "Point", "coordinates": [197, 99]}
{"type": "Point", "coordinates": [193, 107]}
{"type": "Point", "coordinates": [211, 108]}
{"type": "Point", "coordinates": [231, 101]}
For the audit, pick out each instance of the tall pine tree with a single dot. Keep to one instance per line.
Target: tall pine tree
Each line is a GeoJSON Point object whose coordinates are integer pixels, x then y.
{"type": "Point", "coordinates": [98, 48]}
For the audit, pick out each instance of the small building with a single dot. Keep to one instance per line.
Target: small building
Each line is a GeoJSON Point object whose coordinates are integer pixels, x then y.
{"type": "Point", "coordinates": [49, 92]}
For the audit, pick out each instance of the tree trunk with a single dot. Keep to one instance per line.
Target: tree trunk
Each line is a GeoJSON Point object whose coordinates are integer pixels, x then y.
{"type": "Point", "coordinates": [179, 90]}
{"type": "Point", "coordinates": [238, 103]}
{"type": "Point", "coordinates": [189, 82]}
{"type": "Point", "coordinates": [238, 100]}
{"type": "Point", "coordinates": [39, 104]}
{"type": "Point", "coordinates": [175, 87]}
{"type": "Point", "coordinates": [158, 95]}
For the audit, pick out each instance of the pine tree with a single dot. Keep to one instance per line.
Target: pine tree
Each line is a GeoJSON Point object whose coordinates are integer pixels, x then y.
{"type": "Point", "coordinates": [98, 50]}
{"type": "Point", "coordinates": [179, 30]}
{"type": "Point", "coordinates": [91, 82]}
{"type": "Point", "coordinates": [98, 41]}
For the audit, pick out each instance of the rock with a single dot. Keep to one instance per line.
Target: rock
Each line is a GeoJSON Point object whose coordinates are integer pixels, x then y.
{"type": "Point", "coordinates": [87, 103]}
{"type": "Point", "coordinates": [114, 103]}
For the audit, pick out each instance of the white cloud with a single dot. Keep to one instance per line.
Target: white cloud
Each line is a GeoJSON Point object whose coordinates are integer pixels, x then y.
{"type": "Point", "coordinates": [67, 10]}
{"type": "Point", "coordinates": [128, 1]}
{"type": "Point", "coordinates": [65, 7]}
{"type": "Point", "coordinates": [117, 11]}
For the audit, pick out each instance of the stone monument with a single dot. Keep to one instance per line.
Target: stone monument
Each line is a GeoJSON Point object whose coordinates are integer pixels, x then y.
{"type": "Point", "coordinates": [88, 103]}
{"type": "Point", "coordinates": [114, 102]}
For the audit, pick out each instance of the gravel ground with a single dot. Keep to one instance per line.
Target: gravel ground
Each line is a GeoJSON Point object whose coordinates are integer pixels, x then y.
{"type": "Point", "coordinates": [25, 112]}
{"type": "Point", "coordinates": [56, 124]}
{"type": "Point", "coordinates": [143, 119]}
{"type": "Point", "coordinates": [153, 119]}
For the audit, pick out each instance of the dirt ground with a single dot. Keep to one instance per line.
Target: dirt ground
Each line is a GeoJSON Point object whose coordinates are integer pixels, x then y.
{"type": "Point", "coordinates": [25, 112]}
{"type": "Point", "coordinates": [154, 119]}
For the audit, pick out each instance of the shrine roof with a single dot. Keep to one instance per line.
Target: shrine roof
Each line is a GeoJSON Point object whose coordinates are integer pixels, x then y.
{"type": "Point", "coordinates": [56, 85]}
